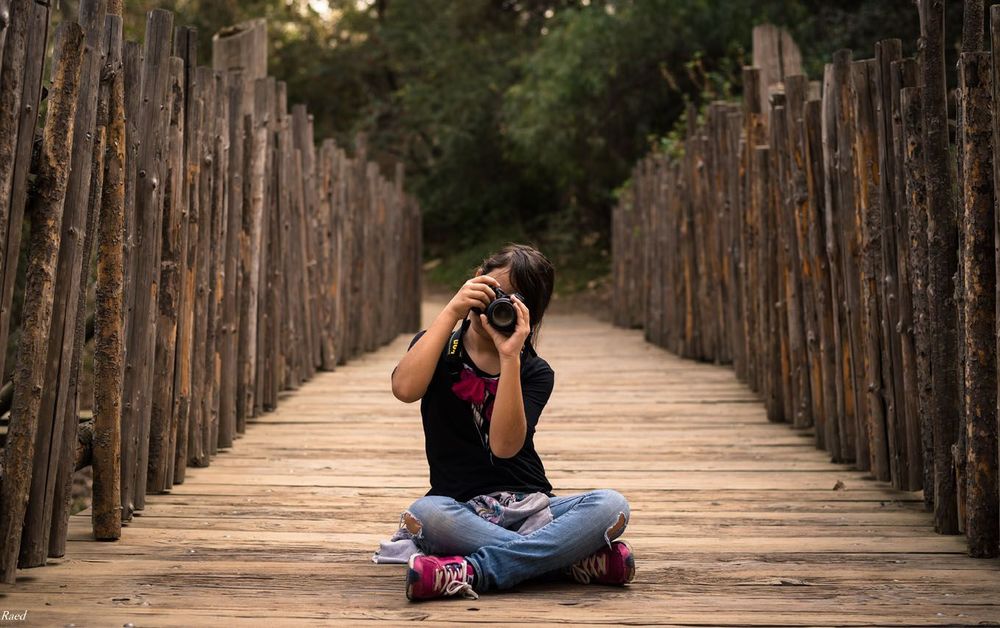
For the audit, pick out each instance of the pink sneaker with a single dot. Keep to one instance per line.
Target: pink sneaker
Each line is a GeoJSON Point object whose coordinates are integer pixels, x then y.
{"type": "Point", "coordinates": [437, 576]}
{"type": "Point", "coordinates": [614, 565]}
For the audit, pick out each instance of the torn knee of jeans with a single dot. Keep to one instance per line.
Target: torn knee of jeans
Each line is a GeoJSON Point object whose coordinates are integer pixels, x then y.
{"type": "Point", "coordinates": [616, 529]}
{"type": "Point", "coordinates": [412, 524]}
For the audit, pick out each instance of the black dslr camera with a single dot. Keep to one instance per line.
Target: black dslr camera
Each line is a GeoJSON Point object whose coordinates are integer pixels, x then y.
{"type": "Point", "coordinates": [501, 312]}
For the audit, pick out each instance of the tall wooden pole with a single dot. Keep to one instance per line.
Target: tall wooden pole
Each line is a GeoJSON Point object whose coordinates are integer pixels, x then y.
{"type": "Point", "coordinates": [942, 233]}
{"type": "Point", "coordinates": [46, 212]}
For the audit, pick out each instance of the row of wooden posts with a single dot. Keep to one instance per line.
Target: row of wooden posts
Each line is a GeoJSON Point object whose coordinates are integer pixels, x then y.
{"type": "Point", "coordinates": [812, 237]}
{"type": "Point", "coordinates": [234, 259]}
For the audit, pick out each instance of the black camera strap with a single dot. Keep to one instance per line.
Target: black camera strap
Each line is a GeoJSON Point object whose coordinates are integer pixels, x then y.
{"type": "Point", "coordinates": [454, 350]}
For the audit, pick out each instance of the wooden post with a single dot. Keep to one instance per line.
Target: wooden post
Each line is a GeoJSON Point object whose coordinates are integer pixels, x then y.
{"type": "Point", "coordinates": [979, 333]}
{"type": "Point", "coordinates": [172, 254]}
{"type": "Point", "coordinates": [304, 193]}
{"type": "Point", "coordinates": [244, 47]}
{"type": "Point", "coordinates": [187, 48]}
{"type": "Point", "coordinates": [868, 224]}
{"type": "Point", "coordinates": [129, 417]}
{"type": "Point", "coordinates": [253, 221]}
{"type": "Point", "coordinates": [753, 133]}
{"type": "Point", "coordinates": [106, 511]}
{"type": "Point", "coordinates": [275, 286]}
{"type": "Point", "coordinates": [46, 212]}
{"type": "Point", "coordinates": [973, 26]}
{"type": "Point", "coordinates": [827, 433]}
{"type": "Point", "coordinates": [942, 264]}
{"type": "Point", "coordinates": [796, 88]}
{"type": "Point", "coordinates": [345, 244]}
{"type": "Point", "coordinates": [841, 220]}
{"type": "Point", "coordinates": [202, 350]}
{"type": "Point", "coordinates": [20, 92]}
{"type": "Point", "coordinates": [734, 179]}
{"type": "Point", "coordinates": [916, 196]}
{"type": "Point", "coordinates": [773, 317]}
{"type": "Point", "coordinates": [904, 75]}
{"type": "Point", "coordinates": [71, 422]}
{"type": "Point", "coordinates": [58, 395]}
{"type": "Point", "coordinates": [887, 52]}
{"type": "Point", "coordinates": [777, 56]}
{"type": "Point", "coordinates": [149, 186]}
{"type": "Point", "coordinates": [230, 296]}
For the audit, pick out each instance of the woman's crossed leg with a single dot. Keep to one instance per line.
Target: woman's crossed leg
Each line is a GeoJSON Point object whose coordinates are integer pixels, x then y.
{"type": "Point", "coordinates": [583, 524]}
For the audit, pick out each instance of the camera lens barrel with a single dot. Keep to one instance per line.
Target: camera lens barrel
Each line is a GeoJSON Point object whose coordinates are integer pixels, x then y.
{"type": "Point", "coordinates": [501, 313]}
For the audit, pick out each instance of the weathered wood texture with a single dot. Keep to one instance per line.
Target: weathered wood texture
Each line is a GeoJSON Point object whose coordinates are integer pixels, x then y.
{"type": "Point", "coordinates": [109, 318]}
{"type": "Point", "coordinates": [45, 210]}
{"type": "Point", "coordinates": [828, 226]}
{"type": "Point", "coordinates": [734, 521]}
{"type": "Point", "coordinates": [215, 220]}
{"type": "Point", "coordinates": [979, 334]}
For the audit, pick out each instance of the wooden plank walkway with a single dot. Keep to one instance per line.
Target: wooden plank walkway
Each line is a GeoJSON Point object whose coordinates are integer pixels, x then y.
{"type": "Point", "coordinates": [735, 521]}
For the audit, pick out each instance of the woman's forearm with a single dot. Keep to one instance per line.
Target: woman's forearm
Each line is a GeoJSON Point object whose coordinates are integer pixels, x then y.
{"type": "Point", "coordinates": [508, 425]}
{"type": "Point", "coordinates": [413, 374]}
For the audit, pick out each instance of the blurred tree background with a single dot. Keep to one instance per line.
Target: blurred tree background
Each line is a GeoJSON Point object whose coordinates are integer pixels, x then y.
{"type": "Point", "coordinates": [520, 119]}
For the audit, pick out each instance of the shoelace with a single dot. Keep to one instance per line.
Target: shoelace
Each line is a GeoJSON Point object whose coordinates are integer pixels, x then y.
{"type": "Point", "coordinates": [594, 566]}
{"type": "Point", "coordinates": [452, 579]}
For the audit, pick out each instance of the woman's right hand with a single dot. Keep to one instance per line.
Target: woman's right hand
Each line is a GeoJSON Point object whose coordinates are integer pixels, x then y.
{"type": "Point", "coordinates": [474, 293]}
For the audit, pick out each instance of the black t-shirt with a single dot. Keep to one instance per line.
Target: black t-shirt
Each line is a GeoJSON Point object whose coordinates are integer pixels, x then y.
{"type": "Point", "coordinates": [461, 463]}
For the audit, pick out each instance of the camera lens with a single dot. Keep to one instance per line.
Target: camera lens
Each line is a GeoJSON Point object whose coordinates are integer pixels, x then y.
{"type": "Point", "coordinates": [503, 315]}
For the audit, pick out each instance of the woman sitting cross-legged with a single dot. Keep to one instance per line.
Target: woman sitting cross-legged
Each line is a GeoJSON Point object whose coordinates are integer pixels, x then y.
{"type": "Point", "coordinates": [490, 519]}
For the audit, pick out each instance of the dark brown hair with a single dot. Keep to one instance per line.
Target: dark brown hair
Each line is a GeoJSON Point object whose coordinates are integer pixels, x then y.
{"type": "Point", "coordinates": [531, 274]}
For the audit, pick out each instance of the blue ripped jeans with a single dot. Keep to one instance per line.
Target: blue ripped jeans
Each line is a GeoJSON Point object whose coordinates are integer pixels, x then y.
{"type": "Point", "coordinates": [581, 525]}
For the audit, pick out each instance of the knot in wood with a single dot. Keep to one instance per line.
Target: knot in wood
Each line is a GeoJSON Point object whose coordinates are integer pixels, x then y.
{"type": "Point", "coordinates": [4, 19]}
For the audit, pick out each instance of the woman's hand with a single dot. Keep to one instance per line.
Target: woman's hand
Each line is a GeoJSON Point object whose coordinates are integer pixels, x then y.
{"type": "Point", "coordinates": [474, 293]}
{"type": "Point", "coordinates": [509, 347]}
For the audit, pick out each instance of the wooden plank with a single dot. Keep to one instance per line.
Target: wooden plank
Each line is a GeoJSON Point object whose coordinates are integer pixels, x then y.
{"type": "Point", "coordinates": [221, 547]}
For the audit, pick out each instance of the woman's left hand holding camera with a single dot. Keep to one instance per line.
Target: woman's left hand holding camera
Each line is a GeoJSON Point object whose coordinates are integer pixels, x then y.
{"type": "Point", "coordinates": [508, 427]}
{"type": "Point", "coordinates": [509, 347]}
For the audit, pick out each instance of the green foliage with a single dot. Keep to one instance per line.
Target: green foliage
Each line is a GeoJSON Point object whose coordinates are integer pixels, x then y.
{"type": "Point", "coordinates": [520, 119]}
